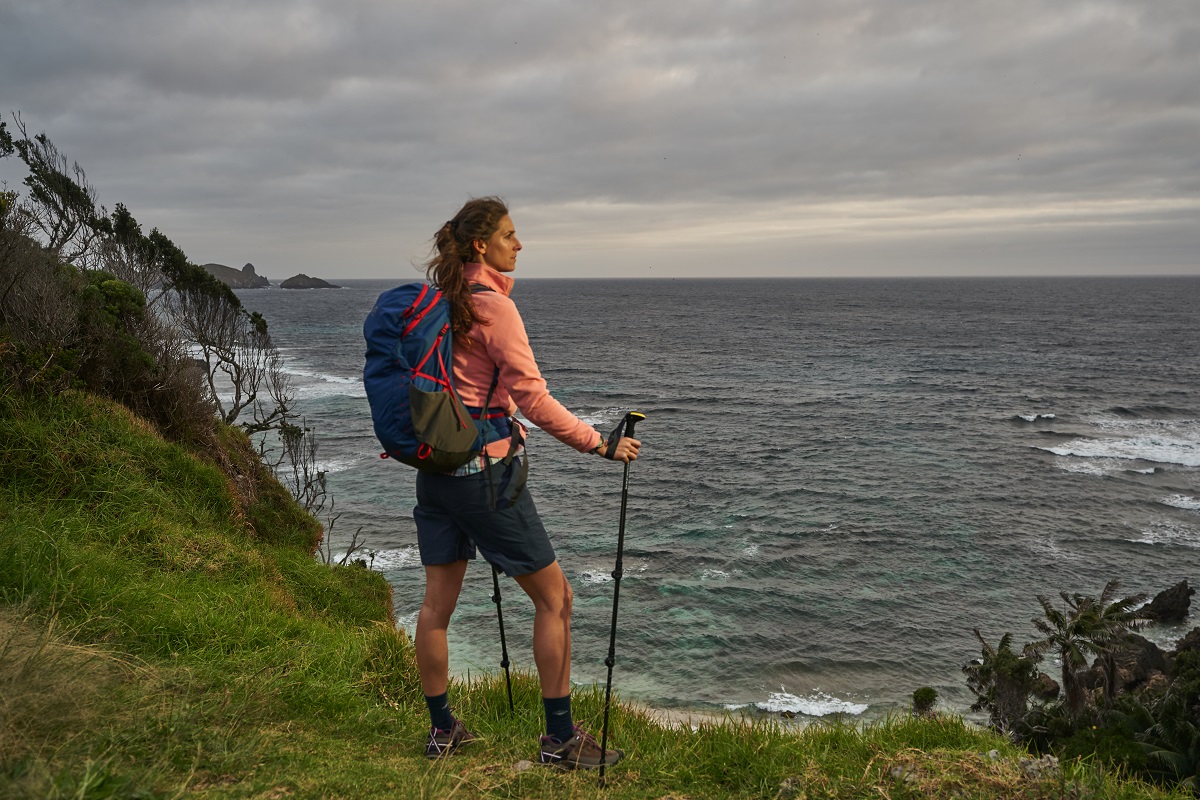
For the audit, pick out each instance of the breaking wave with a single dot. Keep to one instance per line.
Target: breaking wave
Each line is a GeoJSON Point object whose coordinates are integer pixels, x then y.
{"type": "Point", "coordinates": [817, 704]}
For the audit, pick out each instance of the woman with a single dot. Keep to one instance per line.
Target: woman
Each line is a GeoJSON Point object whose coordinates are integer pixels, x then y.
{"type": "Point", "coordinates": [470, 508]}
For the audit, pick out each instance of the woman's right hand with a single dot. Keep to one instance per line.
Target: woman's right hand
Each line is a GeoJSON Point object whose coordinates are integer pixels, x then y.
{"type": "Point", "coordinates": [626, 450]}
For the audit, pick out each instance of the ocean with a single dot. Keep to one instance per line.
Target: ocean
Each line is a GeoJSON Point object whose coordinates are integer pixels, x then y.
{"type": "Point", "coordinates": [839, 479]}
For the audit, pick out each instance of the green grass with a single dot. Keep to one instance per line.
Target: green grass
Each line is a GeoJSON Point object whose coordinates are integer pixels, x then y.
{"type": "Point", "coordinates": [165, 632]}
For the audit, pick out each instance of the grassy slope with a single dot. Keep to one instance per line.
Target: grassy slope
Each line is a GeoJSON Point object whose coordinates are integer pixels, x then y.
{"type": "Point", "coordinates": [162, 636]}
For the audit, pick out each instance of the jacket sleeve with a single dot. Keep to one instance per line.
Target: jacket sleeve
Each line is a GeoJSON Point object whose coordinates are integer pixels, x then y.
{"type": "Point", "coordinates": [508, 346]}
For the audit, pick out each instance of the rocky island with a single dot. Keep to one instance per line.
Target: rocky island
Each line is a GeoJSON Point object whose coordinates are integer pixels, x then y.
{"type": "Point", "coordinates": [302, 281]}
{"type": "Point", "coordinates": [245, 278]}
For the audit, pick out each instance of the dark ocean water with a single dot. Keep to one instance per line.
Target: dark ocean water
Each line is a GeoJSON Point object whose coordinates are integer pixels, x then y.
{"type": "Point", "coordinates": [840, 478]}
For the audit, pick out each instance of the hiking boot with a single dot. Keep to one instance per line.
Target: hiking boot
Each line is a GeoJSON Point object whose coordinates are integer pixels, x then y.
{"type": "Point", "coordinates": [581, 751]}
{"type": "Point", "coordinates": [445, 742]}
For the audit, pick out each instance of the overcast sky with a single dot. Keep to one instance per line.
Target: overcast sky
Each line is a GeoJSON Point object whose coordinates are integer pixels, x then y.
{"type": "Point", "coordinates": [652, 138]}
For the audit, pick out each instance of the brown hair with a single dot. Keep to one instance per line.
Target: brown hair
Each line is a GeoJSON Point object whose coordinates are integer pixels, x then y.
{"type": "Point", "coordinates": [452, 244]}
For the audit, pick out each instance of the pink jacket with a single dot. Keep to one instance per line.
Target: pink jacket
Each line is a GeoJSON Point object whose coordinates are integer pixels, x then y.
{"type": "Point", "coordinates": [503, 343]}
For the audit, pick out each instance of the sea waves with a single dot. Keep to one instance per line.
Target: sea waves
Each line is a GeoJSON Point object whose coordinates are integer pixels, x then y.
{"type": "Point", "coordinates": [1181, 501]}
{"type": "Point", "coordinates": [816, 704]}
{"type": "Point", "coordinates": [1168, 533]}
{"type": "Point", "coordinates": [311, 384]}
{"type": "Point", "coordinates": [831, 472]}
{"type": "Point", "coordinates": [1158, 441]}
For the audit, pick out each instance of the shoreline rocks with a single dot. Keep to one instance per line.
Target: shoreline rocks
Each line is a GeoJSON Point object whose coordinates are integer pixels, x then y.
{"type": "Point", "coordinates": [1171, 605]}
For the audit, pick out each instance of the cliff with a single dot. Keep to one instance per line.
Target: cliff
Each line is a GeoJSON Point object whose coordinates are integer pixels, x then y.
{"type": "Point", "coordinates": [156, 612]}
{"type": "Point", "coordinates": [245, 278]}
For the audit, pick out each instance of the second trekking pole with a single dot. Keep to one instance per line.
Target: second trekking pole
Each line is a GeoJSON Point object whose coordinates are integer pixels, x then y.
{"type": "Point", "coordinates": [625, 428]}
{"type": "Point", "coordinates": [503, 644]}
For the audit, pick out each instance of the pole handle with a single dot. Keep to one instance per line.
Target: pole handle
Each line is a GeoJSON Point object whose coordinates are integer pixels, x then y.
{"type": "Point", "coordinates": [631, 419]}
{"type": "Point", "coordinates": [624, 428]}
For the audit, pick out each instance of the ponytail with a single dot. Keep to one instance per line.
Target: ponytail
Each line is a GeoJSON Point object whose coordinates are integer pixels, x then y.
{"type": "Point", "coordinates": [452, 245]}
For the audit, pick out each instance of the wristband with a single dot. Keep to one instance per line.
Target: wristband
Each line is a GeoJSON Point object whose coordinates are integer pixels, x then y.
{"type": "Point", "coordinates": [610, 452]}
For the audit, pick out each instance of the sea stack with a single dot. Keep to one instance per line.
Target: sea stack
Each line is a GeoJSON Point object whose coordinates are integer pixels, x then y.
{"type": "Point", "coordinates": [245, 278]}
{"type": "Point", "coordinates": [302, 281]}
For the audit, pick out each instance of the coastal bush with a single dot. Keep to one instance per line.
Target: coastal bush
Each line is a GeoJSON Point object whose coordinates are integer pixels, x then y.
{"type": "Point", "coordinates": [1171, 735]}
{"type": "Point", "coordinates": [1001, 680]}
{"type": "Point", "coordinates": [1107, 744]}
{"type": "Point", "coordinates": [88, 300]}
{"type": "Point", "coordinates": [923, 700]}
{"type": "Point", "coordinates": [66, 328]}
{"type": "Point", "coordinates": [1154, 732]}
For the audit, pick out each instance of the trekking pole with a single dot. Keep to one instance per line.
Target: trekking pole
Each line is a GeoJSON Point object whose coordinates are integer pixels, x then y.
{"type": "Point", "coordinates": [624, 428]}
{"type": "Point", "coordinates": [503, 644]}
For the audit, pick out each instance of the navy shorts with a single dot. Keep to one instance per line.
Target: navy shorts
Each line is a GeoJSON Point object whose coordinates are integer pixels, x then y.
{"type": "Point", "coordinates": [454, 516]}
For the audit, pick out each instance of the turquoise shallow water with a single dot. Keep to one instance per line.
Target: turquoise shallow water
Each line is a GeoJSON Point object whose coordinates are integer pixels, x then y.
{"type": "Point", "coordinates": [840, 477]}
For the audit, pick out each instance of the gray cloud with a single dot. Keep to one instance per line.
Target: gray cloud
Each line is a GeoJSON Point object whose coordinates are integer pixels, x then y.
{"type": "Point", "coordinates": [333, 138]}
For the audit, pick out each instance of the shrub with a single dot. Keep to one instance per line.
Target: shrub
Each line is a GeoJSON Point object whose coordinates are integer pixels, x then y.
{"type": "Point", "coordinates": [923, 700]}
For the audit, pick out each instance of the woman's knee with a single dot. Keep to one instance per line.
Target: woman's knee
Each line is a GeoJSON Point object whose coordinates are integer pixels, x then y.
{"type": "Point", "coordinates": [442, 588]}
{"type": "Point", "coordinates": [562, 602]}
{"type": "Point", "coordinates": [438, 608]}
{"type": "Point", "coordinates": [549, 590]}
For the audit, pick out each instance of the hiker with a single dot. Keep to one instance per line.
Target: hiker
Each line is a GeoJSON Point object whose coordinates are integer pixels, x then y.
{"type": "Point", "coordinates": [466, 509]}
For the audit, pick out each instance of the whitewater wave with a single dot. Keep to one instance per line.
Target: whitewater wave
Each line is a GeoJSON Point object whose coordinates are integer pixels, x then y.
{"type": "Point", "coordinates": [1181, 501]}
{"type": "Point", "coordinates": [1096, 468]}
{"type": "Point", "coordinates": [325, 377]}
{"type": "Point", "coordinates": [338, 465]}
{"type": "Point", "coordinates": [316, 385]}
{"type": "Point", "coordinates": [1168, 533]}
{"type": "Point", "coordinates": [1157, 441]}
{"type": "Point", "coordinates": [408, 622]}
{"type": "Point", "coordinates": [603, 418]}
{"type": "Point", "coordinates": [817, 704]}
{"type": "Point", "coordinates": [605, 575]}
{"type": "Point", "coordinates": [1033, 417]}
{"type": "Point", "coordinates": [404, 558]}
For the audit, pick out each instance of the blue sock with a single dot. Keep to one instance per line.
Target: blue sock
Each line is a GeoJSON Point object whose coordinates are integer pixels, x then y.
{"type": "Point", "coordinates": [558, 717]}
{"type": "Point", "coordinates": [439, 711]}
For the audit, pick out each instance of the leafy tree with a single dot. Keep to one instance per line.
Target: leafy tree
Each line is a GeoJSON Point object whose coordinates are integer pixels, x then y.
{"type": "Point", "coordinates": [61, 205]}
{"type": "Point", "coordinates": [1087, 627]}
{"type": "Point", "coordinates": [129, 254]}
{"type": "Point", "coordinates": [6, 140]}
{"type": "Point", "coordinates": [1002, 680]}
{"type": "Point", "coordinates": [242, 366]}
{"type": "Point", "coordinates": [8, 198]}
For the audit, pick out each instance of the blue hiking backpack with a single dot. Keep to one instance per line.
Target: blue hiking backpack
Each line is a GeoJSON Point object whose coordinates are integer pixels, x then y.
{"type": "Point", "coordinates": [418, 416]}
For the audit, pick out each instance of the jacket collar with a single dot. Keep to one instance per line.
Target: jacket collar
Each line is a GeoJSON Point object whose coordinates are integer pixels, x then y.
{"type": "Point", "coordinates": [476, 272]}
